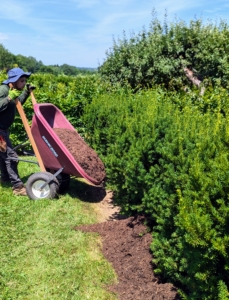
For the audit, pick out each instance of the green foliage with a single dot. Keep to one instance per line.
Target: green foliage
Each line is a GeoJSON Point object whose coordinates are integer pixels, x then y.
{"type": "Point", "coordinates": [27, 63]}
{"type": "Point", "coordinates": [223, 291]}
{"type": "Point", "coordinates": [166, 156]}
{"type": "Point", "coordinates": [66, 69]}
{"type": "Point", "coordinates": [6, 58]}
{"type": "Point", "coordinates": [158, 57]}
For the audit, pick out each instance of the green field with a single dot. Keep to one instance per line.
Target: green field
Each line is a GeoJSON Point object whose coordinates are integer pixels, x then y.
{"type": "Point", "coordinates": [42, 256]}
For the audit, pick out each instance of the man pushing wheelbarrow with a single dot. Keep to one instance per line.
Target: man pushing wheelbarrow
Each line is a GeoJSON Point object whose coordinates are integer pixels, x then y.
{"type": "Point", "coordinates": [10, 90]}
{"type": "Point", "coordinates": [60, 151]}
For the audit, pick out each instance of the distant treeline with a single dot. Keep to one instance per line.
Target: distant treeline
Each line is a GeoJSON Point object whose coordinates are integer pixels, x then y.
{"type": "Point", "coordinates": [30, 64]}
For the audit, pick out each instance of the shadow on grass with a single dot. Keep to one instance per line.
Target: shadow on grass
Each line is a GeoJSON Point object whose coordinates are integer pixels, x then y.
{"type": "Point", "coordinates": [85, 192]}
{"type": "Point", "coordinates": [6, 184]}
{"type": "Point", "coordinates": [80, 189]}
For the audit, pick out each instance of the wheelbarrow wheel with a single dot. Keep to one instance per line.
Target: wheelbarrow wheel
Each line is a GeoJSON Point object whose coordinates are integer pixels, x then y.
{"type": "Point", "coordinates": [36, 181]}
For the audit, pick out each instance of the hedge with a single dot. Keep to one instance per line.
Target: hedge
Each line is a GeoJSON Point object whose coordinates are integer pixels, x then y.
{"type": "Point", "coordinates": [167, 157]}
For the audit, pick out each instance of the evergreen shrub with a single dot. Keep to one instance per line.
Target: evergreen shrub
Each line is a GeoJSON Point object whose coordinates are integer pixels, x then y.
{"type": "Point", "coordinates": [167, 157]}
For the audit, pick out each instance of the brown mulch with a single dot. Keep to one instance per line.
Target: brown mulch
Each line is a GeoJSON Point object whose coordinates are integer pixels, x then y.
{"type": "Point", "coordinates": [126, 244]}
{"type": "Point", "coordinates": [85, 156]}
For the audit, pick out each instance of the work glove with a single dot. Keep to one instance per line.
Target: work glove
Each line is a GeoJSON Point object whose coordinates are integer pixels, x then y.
{"type": "Point", "coordinates": [30, 87]}
{"type": "Point", "coordinates": [13, 94]}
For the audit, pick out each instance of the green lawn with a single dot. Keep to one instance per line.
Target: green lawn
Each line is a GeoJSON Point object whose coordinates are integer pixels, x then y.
{"type": "Point", "coordinates": [42, 256]}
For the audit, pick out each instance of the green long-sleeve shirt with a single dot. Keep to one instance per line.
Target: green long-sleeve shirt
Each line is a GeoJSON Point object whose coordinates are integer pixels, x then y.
{"type": "Point", "coordinates": [8, 108]}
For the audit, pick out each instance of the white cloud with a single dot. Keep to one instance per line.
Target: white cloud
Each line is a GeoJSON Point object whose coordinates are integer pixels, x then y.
{"type": "Point", "coordinates": [14, 10]}
{"type": "Point", "coordinates": [85, 3]}
{"type": "Point", "coordinates": [3, 36]}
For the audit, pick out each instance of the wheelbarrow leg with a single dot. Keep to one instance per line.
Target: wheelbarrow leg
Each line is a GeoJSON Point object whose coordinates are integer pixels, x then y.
{"type": "Point", "coordinates": [29, 133]}
{"type": "Point", "coordinates": [41, 185]}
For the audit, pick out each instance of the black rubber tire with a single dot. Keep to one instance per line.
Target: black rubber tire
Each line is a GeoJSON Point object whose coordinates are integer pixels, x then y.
{"type": "Point", "coordinates": [37, 180]}
{"type": "Point", "coordinates": [64, 181]}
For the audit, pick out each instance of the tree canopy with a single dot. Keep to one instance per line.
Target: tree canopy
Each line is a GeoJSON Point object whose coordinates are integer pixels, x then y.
{"type": "Point", "coordinates": [171, 54]}
{"type": "Point", "coordinates": [30, 64]}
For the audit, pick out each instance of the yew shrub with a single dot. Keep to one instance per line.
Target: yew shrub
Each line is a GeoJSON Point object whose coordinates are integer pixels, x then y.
{"type": "Point", "coordinates": [166, 156]}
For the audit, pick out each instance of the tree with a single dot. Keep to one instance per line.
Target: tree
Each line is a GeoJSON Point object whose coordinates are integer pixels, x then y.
{"type": "Point", "coordinates": [168, 53]}
{"type": "Point", "coordinates": [6, 58]}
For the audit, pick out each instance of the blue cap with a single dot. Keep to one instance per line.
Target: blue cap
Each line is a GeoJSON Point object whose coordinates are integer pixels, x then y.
{"type": "Point", "coordinates": [14, 74]}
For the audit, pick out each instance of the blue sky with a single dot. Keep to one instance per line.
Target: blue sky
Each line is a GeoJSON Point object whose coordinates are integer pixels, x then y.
{"type": "Point", "coordinates": [78, 32]}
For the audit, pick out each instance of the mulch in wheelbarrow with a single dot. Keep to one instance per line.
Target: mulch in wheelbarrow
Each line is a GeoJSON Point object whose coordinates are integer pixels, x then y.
{"type": "Point", "coordinates": [85, 156]}
{"type": "Point", "coordinates": [126, 244]}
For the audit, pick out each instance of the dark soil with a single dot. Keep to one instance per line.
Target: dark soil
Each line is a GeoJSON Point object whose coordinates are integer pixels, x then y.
{"type": "Point", "coordinates": [126, 244]}
{"type": "Point", "coordinates": [85, 156]}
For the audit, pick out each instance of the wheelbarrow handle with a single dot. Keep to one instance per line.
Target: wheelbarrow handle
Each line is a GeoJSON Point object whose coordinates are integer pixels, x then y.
{"type": "Point", "coordinates": [28, 129]}
{"type": "Point", "coordinates": [34, 101]}
{"type": "Point", "coordinates": [29, 133]}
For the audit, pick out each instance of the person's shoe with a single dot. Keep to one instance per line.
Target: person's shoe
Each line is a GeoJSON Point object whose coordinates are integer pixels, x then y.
{"type": "Point", "coordinates": [20, 191]}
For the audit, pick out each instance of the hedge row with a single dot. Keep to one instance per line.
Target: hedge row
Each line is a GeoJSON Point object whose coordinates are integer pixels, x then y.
{"type": "Point", "coordinates": [167, 157]}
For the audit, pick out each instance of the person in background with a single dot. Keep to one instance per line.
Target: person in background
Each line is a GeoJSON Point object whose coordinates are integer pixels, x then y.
{"type": "Point", "coordinates": [14, 87]}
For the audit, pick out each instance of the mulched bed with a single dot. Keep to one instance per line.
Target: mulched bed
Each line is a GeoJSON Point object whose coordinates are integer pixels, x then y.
{"type": "Point", "coordinates": [85, 156]}
{"type": "Point", "coordinates": [126, 244]}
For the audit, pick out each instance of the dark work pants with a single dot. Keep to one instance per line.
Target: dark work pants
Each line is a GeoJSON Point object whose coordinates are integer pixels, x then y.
{"type": "Point", "coordinates": [8, 167]}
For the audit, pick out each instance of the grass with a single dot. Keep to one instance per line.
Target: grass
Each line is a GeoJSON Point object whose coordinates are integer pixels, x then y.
{"type": "Point", "coordinates": [42, 256]}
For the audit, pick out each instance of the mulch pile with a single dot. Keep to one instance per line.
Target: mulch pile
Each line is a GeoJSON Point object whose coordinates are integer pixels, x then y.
{"type": "Point", "coordinates": [85, 156]}
{"type": "Point", "coordinates": [126, 244]}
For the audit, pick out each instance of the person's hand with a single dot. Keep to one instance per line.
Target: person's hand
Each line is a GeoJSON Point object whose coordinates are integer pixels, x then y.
{"type": "Point", "coordinates": [30, 87]}
{"type": "Point", "coordinates": [13, 94]}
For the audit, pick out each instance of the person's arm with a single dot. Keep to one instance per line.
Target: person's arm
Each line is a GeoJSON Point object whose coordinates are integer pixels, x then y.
{"type": "Point", "coordinates": [24, 96]}
{"type": "Point", "coordinates": [4, 100]}
{"type": "Point", "coordinates": [26, 93]}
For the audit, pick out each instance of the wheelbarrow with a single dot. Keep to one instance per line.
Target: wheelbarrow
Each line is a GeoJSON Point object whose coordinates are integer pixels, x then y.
{"type": "Point", "coordinates": [56, 162]}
